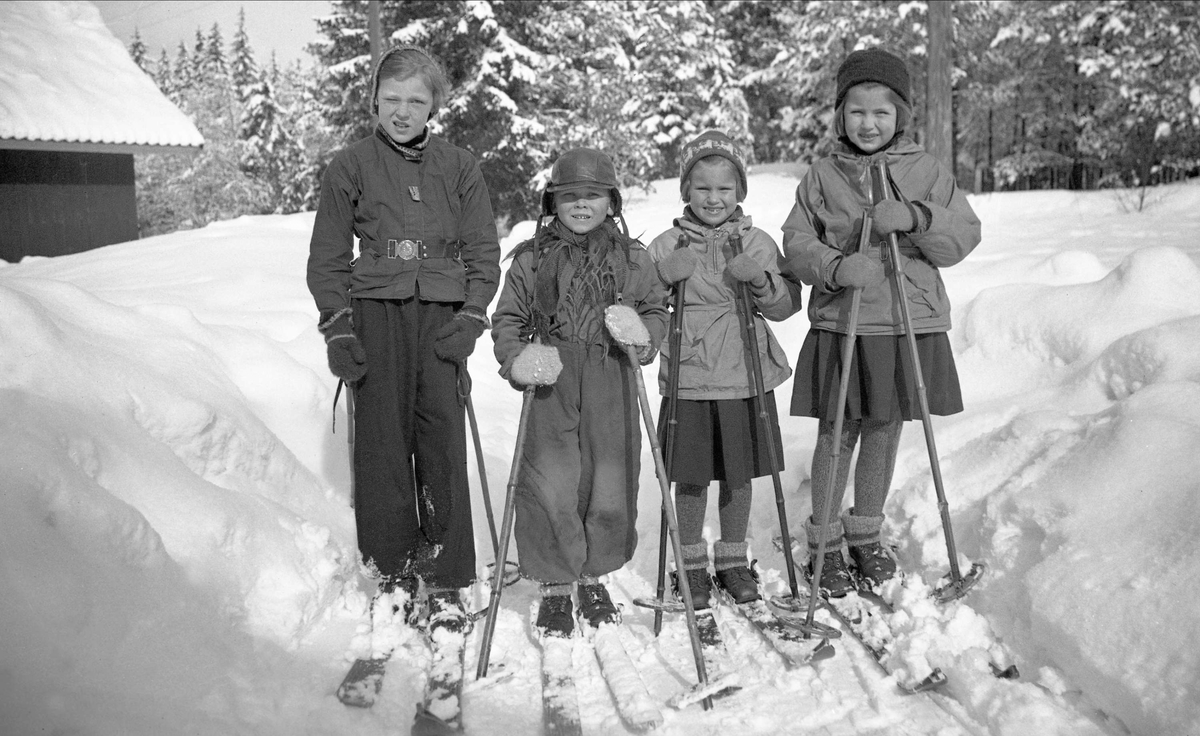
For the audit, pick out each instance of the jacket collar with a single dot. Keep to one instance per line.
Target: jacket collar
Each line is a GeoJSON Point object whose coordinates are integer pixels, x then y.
{"type": "Point", "coordinates": [738, 222]}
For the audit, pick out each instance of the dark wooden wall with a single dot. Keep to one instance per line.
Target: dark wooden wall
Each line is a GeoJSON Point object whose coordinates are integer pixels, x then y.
{"type": "Point", "coordinates": [53, 203]}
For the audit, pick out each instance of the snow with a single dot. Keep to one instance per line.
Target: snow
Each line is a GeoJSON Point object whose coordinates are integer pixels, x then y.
{"type": "Point", "coordinates": [177, 548]}
{"type": "Point", "coordinates": [65, 77]}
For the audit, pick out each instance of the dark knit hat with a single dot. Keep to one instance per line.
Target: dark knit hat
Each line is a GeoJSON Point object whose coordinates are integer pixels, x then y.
{"type": "Point", "coordinates": [711, 143]}
{"type": "Point", "coordinates": [873, 65]}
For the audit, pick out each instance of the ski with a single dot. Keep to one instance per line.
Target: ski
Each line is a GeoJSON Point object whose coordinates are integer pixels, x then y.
{"type": "Point", "coordinates": [362, 683]}
{"type": "Point", "coordinates": [560, 709]}
{"type": "Point", "coordinates": [712, 648]}
{"type": "Point", "coordinates": [441, 707]}
{"type": "Point", "coordinates": [634, 704]}
{"type": "Point", "coordinates": [796, 649]}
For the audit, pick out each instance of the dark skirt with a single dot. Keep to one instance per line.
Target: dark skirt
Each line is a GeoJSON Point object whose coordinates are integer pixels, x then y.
{"type": "Point", "coordinates": [721, 439]}
{"type": "Point", "coordinates": [882, 381]}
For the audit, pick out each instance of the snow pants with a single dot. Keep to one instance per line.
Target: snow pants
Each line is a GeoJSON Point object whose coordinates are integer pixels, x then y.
{"type": "Point", "coordinates": [412, 505]}
{"type": "Point", "coordinates": [576, 495]}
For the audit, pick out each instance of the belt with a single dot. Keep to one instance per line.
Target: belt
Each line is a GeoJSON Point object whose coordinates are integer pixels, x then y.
{"type": "Point", "coordinates": [409, 249]}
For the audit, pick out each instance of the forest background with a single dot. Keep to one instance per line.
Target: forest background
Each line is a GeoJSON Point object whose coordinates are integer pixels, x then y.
{"type": "Point", "coordinates": [1075, 94]}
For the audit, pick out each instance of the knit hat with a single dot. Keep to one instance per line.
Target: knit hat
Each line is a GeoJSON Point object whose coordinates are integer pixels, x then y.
{"type": "Point", "coordinates": [711, 143]}
{"type": "Point", "coordinates": [873, 65]}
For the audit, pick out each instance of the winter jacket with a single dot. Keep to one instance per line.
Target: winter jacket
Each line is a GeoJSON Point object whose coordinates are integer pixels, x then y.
{"type": "Point", "coordinates": [513, 320]}
{"type": "Point", "coordinates": [373, 192]}
{"type": "Point", "coordinates": [826, 221]}
{"type": "Point", "coordinates": [712, 357]}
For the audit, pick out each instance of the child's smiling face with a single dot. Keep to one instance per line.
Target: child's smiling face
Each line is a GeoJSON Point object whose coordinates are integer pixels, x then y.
{"type": "Point", "coordinates": [712, 190]}
{"type": "Point", "coordinates": [404, 107]}
{"type": "Point", "coordinates": [870, 116]}
{"type": "Point", "coordinates": [582, 210]}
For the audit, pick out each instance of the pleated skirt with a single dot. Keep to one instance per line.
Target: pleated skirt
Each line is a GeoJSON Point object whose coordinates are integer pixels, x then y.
{"type": "Point", "coordinates": [883, 383]}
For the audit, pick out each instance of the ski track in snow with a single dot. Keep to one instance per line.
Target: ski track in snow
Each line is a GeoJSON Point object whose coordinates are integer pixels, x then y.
{"type": "Point", "coordinates": [177, 548]}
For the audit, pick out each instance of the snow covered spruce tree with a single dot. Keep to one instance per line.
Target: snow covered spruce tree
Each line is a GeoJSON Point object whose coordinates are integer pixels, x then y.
{"type": "Point", "coordinates": [683, 79]}
{"type": "Point", "coordinates": [490, 72]}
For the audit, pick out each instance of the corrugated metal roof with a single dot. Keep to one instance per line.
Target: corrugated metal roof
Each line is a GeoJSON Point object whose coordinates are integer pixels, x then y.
{"type": "Point", "coordinates": [64, 77]}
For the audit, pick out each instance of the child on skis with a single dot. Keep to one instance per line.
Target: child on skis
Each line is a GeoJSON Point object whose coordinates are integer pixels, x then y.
{"type": "Point", "coordinates": [576, 502]}
{"type": "Point", "coordinates": [399, 322]}
{"type": "Point", "coordinates": [937, 229]}
{"type": "Point", "coordinates": [719, 435]}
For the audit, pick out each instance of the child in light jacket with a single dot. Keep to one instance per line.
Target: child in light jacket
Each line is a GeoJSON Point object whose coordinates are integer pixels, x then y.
{"type": "Point", "coordinates": [576, 495]}
{"type": "Point", "coordinates": [719, 435]}
{"type": "Point", "coordinates": [937, 229]}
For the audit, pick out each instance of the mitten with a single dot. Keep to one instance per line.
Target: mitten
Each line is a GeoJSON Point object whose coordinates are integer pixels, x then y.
{"type": "Point", "coordinates": [537, 365]}
{"type": "Point", "coordinates": [743, 267]}
{"type": "Point", "coordinates": [678, 265]}
{"type": "Point", "coordinates": [347, 357]}
{"type": "Point", "coordinates": [890, 216]}
{"type": "Point", "coordinates": [456, 339]}
{"type": "Point", "coordinates": [857, 271]}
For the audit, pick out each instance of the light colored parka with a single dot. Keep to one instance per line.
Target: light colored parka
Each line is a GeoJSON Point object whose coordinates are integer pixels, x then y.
{"type": "Point", "coordinates": [826, 222]}
{"type": "Point", "coordinates": [713, 363]}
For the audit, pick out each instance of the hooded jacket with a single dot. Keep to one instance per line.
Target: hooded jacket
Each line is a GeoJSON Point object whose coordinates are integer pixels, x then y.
{"type": "Point", "coordinates": [826, 221]}
{"type": "Point", "coordinates": [713, 363]}
{"type": "Point", "coordinates": [515, 318]}
{"type": "Point", "coordinates": [373, 192]}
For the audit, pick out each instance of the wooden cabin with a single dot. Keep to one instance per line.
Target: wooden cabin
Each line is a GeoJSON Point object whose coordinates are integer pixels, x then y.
{"type": "Point", "coordinates": [74, 109]}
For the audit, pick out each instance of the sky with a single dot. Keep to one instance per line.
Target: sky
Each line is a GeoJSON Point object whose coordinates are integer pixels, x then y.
{"type": "Point", "coordinates": [283, 26]}
{"type": "Point", "coordinates": [177, 550]}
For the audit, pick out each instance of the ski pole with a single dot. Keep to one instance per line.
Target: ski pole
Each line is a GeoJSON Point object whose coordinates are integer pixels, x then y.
{"type": "Point", "coordinates": [839, 418]}
{"type": "Point", "coordinates": [672, 424]}
{"type": "Point", "coordinates": [464, 390]}
{"type": "Point", "coordinates": [958, 585]}
{"type": "Point", "coordinates": [506, 525]}
{"type": "Point", "coordinates": [664, 485]}
{"type": "Point", "coordinates": [350, 436]}
{"type": "Point", "coordinates": [750, 338]}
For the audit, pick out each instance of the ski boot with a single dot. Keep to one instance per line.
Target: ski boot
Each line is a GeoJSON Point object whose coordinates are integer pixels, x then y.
{"type": "Point", "coordinates": [596, 606]}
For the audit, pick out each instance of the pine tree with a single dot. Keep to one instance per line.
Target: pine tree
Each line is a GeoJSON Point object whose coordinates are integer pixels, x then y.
{"type": "Point", "coordinates": [164, 76]}
{"type": "Point", "coordinates": [243, 70]}
{"type": "Point", "coordinates": [182, 71]}
{"type": "Point", "coordinates": [137, 52]}
{"type": "Point", "coordinates": [214, 53]}
{"type": "Point", "coordinates": [269, 153]}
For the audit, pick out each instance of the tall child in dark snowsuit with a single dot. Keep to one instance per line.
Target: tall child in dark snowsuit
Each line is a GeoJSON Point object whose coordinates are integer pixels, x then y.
{"type": "Point", "coordinates": [719, 434]}
{"type": "Point", "coordinates": [399, 322]}
{"type": "Point", "coordinates": [937, 228]}
{"type": "Point", "coordinates": [576, 499]}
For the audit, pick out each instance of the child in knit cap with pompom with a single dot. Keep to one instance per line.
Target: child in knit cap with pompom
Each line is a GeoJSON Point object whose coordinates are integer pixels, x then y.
{"type": "Point", "coordinates": [719, 435]}
{"type": "Point", "coordinates": [936, 229]}
{"type": "Point", "coordinates": [576, 496]}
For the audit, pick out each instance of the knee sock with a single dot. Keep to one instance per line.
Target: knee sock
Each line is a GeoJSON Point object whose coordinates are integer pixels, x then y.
{"type": "Point", "coordinates": [691, 504]}
{"type": "Point", "coordinates": [729, 554]}
{"type": "Point", "coordinates": [876, 466]}
{"type": "Point", "coordinates": [548, 589]}
{"type": "Point", "coordinates": [822, 458]}
{"type": "Point", "coordinates": [733, 504]}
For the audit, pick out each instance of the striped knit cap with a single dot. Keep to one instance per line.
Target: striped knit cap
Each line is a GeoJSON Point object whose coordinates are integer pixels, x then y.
{"type": "Point", "coordinates": [711, 143]}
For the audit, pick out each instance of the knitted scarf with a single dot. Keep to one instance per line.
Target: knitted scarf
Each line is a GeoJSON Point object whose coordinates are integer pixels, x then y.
{"type": "Point", "coordinates": [412, 150]}
{"type": "Point", "coordinates": [600, 259]}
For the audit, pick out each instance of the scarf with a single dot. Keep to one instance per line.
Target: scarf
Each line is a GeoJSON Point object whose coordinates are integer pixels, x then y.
{"type": "Point", "coordinates": [411, 151]}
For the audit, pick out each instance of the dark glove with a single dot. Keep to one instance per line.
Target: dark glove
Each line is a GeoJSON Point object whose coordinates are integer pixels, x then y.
{"type": "Point", "coordinates": [347, 357]}
{"type": "Point", "coordinates": [678, 265]}
{"type": "Point", "coordinates": [743, 267]}
{"type": "Point", "coordinates": [890, 216]}
{"type": "Point", "coordinates": [857, 272]}
{"type": "Point", "coordinates": [456, 339]}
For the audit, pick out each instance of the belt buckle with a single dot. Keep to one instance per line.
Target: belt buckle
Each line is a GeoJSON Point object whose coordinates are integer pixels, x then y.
{"type": "Point", "coordinates": [403, 249]}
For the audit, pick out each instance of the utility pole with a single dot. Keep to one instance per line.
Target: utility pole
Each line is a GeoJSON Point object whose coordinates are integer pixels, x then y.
{"type": "Point", "coordinates": [375, 31]}
{"type": "Point", "coordinates": [939, 91]}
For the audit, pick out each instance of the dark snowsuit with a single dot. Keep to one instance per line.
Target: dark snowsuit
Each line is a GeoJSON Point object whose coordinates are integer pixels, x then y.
{"type": "Point", "coordinates": [577, 492]}
{"type": "Point", "coordinates": [428, 247]}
